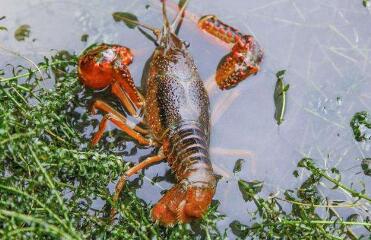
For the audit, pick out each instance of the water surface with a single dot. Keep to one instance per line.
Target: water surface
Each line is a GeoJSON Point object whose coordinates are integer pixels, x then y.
{"type": "Point", "coordinates": [323, 44]}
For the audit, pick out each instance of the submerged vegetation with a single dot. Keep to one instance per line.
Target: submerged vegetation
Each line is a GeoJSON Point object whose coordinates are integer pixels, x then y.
{"type": "Point", "coordinates": [361, 126]}
{"type": "Point", "coordinates": [311, 216]}
{"type": "Point", "coordinates": [22, 32]}
{"type": "Point", "coordinates": [3, 28]}
{"type": "Point", "coordinates": [365, 3]}
{"type": "Point", "coordinates": [51, 181]}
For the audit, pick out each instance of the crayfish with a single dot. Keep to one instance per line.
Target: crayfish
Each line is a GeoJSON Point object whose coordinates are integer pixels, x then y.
{"type": "Point", "coordinates": [173, 112]}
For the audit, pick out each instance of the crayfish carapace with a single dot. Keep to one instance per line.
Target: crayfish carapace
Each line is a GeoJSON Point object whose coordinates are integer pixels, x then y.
{"type": "Point", "coordinates": [176, 113]}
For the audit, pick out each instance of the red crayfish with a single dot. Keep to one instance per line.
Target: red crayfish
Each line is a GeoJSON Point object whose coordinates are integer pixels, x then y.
{"type": "Point", "coordinates": [173, 112]}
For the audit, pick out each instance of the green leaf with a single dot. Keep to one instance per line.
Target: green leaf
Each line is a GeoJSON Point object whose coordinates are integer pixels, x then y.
{"type": "Point", "coordinates": [286, 88]}
{"type": "Point", "coordinates": [238, 165]}
{"type": "Point", "coordinates": [280, 74]}
{"type": "Point", "coordinates": [361, 126]}
{"type": "Point", "coordinates": [365, 3]}
{"type": "Point", "coordinates": [2, 28]}
{"type": "Point", "coordinates": [305, 163]}
{"type": "Point", "coordinates": [249, 189]}
{"type": "Point", "coordinates": [366, 166]}
{"type": "Point", "coordinates": [130, 20]}
{"type": "Point", "coordinates": [84, 37]}
{"type": "Point", "coordinates": [239, 229]}
{"type": "Point", "coordinates": [308, 191]}
{"type": "Point", "coordinates": [280, 97]}
{"type": "Point", "coordinates": [353, 217]}
{"type": "Point", "coordinates": [22, 32]}
{"type": "Point", "coordinates": [2, 17]}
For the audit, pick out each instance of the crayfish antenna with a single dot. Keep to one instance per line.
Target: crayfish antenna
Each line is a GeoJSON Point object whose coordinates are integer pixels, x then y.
{"type": "Point", "coordinates": [179, 16]}
{"type": "Point", "coordinates": [166, 24]}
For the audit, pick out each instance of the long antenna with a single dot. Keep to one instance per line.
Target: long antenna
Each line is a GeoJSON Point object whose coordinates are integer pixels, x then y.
{"type": "Point", "coordinates": [166, 19]}
{"type": "Point", "coordinates": [179, 16]}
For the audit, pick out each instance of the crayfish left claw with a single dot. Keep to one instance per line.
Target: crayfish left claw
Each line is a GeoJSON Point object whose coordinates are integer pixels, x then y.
{"type": "Point", "coordinates": [96, 67]}
{"type": "Point", "coordinates": [107, 65]}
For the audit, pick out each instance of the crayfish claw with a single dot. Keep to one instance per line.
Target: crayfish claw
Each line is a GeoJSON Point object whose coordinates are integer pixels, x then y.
{"type": "Point", "coordinates": [239, 64]}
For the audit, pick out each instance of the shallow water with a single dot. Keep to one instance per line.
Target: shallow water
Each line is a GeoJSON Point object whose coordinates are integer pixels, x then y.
{"type": "Point", "coordinates": [325, 46]}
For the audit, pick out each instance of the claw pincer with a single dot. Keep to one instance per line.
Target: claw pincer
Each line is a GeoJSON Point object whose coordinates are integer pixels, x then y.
{"type": "Point", "coordinates": [98, 65]}
{"type": "Point", "coordinates": [106, 65]}
{"type": "Point", "coordinates": [244, 58]}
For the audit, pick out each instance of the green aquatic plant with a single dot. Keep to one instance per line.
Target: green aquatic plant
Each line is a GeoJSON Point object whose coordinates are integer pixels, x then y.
{"type": "Point", "coordinates": [238, 165]}
{"type": "Point", "coordinates": [366, 166]}
{"type": "Point", "coordinates": [2, 28]}
{"type": "Point", "coordinates": [361, 126]}
{"type": "Point", "coordinates": [280, 92]}
{"type": "Point", "coordinates": [84, 37]}
{"type": "Point", "coordinates": [303, 213]}
{"type": "Point", "coordinates": [22, 32]}
{"type": "Point", "coordinates": [130, 20]}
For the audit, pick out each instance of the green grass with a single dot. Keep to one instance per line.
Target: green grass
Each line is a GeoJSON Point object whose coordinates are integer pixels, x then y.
{"type": "Point", "coordinates": [49, 179]}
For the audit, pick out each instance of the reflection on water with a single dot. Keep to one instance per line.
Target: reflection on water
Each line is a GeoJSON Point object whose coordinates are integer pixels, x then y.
{"type": "Point", "coordinates": [323, 45]}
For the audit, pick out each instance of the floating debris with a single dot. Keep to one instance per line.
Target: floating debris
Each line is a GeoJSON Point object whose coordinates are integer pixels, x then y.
{"type": "Point", "coordinates": [22, 32]}
{"type": "Point", "coordinates": [280, 97]}
{"type": "Point", "coordinates": [361, 126]}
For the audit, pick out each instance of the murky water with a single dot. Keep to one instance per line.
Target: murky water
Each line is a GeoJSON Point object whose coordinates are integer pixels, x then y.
{"type": "Point", "coordinates": [324, 45]}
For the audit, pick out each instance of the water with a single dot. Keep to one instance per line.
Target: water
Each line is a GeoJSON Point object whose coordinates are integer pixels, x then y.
{"type": "Point", "coordinates": [324, 46]}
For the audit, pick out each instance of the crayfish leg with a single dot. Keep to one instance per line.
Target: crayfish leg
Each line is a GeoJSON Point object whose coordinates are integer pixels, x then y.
{"type": "Point", "coordinates": [121, 182]}
{"type": "Point", "coordinates": [120, 121]}
{"type": "Point", "coordinates": [129, 96]}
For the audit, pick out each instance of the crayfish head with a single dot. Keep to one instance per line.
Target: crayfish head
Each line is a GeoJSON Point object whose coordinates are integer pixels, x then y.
{"type": "Point", "coordinates": [97, 66]}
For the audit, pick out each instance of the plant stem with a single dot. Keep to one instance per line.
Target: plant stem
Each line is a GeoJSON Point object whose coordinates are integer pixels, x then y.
{"type": "Point", "coordinates": [27, 218]}
{"type": "Point", "coordinates": [310, 166]}
{"type": "Point", "coordinates": [350, 205]}
{"type": "Point", "coordinates": [34, 70]}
